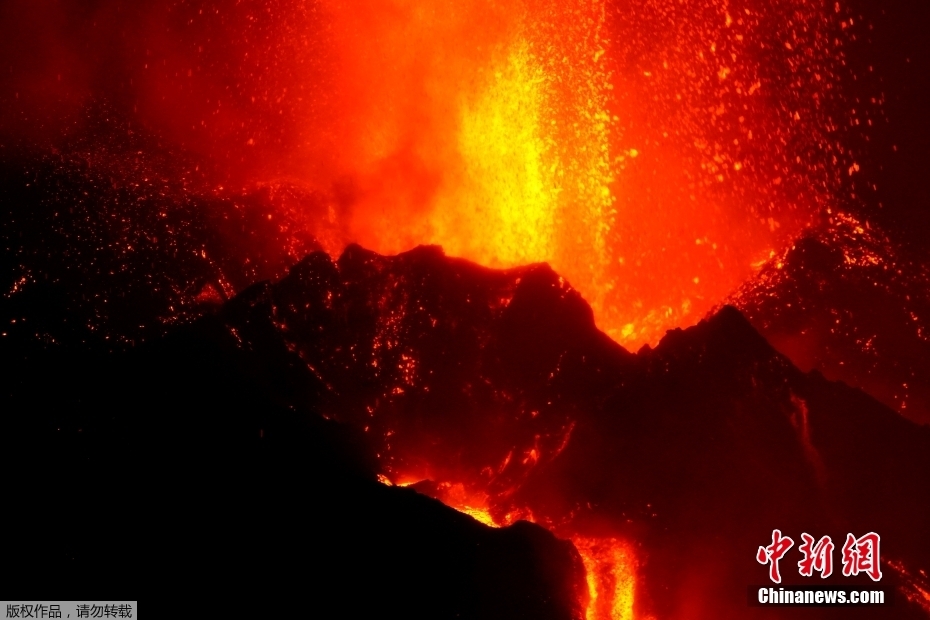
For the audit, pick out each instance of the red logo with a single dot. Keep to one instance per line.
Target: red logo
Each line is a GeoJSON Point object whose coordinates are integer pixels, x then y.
{"type": "Point", "coordinates": [773, 553]}
{"type": "Point", "coordinates": [860, 555]}
{"type": "Point", "coordinates": [817, 557]}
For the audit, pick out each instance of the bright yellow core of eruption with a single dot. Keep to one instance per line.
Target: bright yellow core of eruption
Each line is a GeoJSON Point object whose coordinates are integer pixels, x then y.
{"type": "Point", "coordinates": [531, 184]}
{"type": "Point", "coordinates": [507, 194]}
{"type": "Point", "coordinates": [488, 127]}
{"type": "Point", "coordinates": [655, 171]}
{"type": "Point", "coordinates": [609, 564]}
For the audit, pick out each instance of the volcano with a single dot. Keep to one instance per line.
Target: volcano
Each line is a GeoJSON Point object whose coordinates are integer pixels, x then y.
{"type": "Point", "coordinates": [266, 442]}
{"type": "Point", "coordinates": [507, 309]}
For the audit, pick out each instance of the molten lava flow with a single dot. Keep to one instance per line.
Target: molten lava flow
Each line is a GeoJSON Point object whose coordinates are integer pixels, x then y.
{"type": "Point", "coordinates": [610, 565]}
{"type": "Point", "coordinates": [474, 505]}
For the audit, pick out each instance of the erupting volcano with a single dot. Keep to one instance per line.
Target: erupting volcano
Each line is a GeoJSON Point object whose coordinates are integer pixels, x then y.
{"type": "Point", "coordinates": [485, 309]}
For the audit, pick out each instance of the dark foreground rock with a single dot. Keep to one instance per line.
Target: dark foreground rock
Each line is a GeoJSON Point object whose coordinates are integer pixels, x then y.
{"type": "Point", "coordinates": [196, 467]}
{"type": "Point", "coordinates": [696, 450]}
{"type": "Point", "coordinates": [243, 449]}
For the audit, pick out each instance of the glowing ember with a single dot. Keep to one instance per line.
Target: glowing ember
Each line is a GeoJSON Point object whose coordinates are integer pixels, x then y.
{"type": "Point", "coordinates": [915, 587]}
{"type": "Point", "coordinates": [883, 316]}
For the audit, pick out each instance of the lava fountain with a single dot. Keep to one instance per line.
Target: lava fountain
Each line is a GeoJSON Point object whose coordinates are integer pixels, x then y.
{"type": "Point", "coordinates": [653, 153]}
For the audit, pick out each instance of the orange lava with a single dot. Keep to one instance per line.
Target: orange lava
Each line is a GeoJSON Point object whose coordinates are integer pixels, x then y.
{"type": "Point", "coordinates": [474, 505]}
{"type": "Point", "coordinates": [653, 154]}
{"type": "Point", "coordinates": [611, 570]}
{"type": "Point", "coordinates": [610, 564]}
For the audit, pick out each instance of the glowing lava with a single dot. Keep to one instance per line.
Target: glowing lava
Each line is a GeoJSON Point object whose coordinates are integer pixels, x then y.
{"type": "Point", "coordinates": [653, 154]}
{"type": "Point", "coordinates": [610, 564]}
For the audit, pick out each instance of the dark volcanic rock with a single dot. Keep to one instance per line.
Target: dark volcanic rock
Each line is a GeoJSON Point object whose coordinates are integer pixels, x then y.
{"type": "Point", "coordinates": [458, 365]}
{"type": "Point", "coordinates": [110, 236]}
{"type": "Point", "coordinates": [201, 458]}
{"type": "Point", "coordinates": [713, 441]}
{"type": "Point", "coordinates": [198, 461]}
{"type": "Point", "coordinates": [430, 367]}
{"type": "Point", "coordinates": [852, 304]}
{"type": "Point", "coordinates": [696, 450]}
